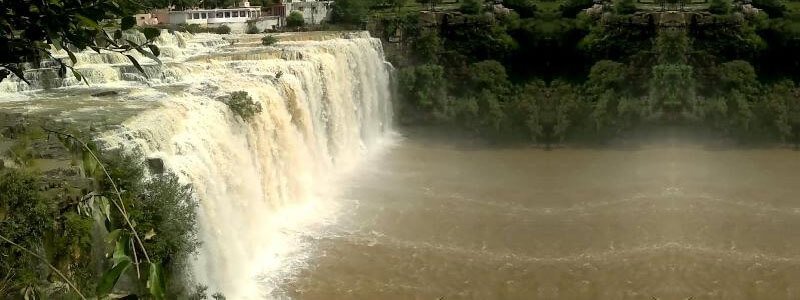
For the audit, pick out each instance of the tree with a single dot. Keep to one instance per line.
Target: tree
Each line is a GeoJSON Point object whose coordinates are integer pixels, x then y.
{"type": "Point", "coordinates": [719, 6]}
{"type": "Point", "coordinates": [32, 30]}
{"type": "Point", "coordinates": [349, 11]}
{"type": "Point", "coordinates": [295, 19]}
{"type": "Point", "coordinates": [427, 46]}
{"type": "Point", "coordinates": [471, 7]}
{"type": "Point", "coordinates": [624, 7]}
{"type": "Point", "coordinates": [397, 4]}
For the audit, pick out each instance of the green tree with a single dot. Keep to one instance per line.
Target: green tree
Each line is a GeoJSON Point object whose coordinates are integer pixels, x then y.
{"type": "Point", "coordinates": [425, 88]}
{"type": "Point", "coordinates": [295, 19]}
{"type": "Point", "coordinates": [427, 46]}
{"type": "Point", "coordinates": [269, 40]}
{"type": "Point", "coordinates": [624, 7]}
{"type": "Point", "coordinates": [471, 7]}
{"type": "Point", "coordinates": [349, 11]}
{"type": "Point", "coordinates": [783, 100]}
{"type": "Point", "coordinates": [243, 105]}
{"type": "Point", "coordinates": [720, 6]}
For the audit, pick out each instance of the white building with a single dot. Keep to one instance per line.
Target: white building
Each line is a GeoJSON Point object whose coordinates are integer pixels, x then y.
{"type": "Point", "coordinates": [314, 12]}
{"type": "Point", "coordinates": [214, 16]}
{"type": "Point", "coordinates": [238, 19]}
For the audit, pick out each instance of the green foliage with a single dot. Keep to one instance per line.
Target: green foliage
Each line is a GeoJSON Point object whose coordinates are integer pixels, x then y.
{"type": "Point", "coordinates": [34, 29]}
{"type": "Point", "coordinates": [424, 88]}
{"type": "Point", "coordinates": [295, 19]}
{"type": "Point", "coordinates": [471, 7]}
{"type": "Point", "coordinates": [251, 28]}
{"type": "Point", "coordinates": [243, 105]}
{"type": "Point", "coordinates": [551, 72]}
{"type": "Point", "coordinates": [427, 47]}
{"type": "Point", "coordinates": [720, 7]}
{"type": "Point", "coordinates": [165, 214]}
{"type": "Point", "coordinates": [196, 28]}
{"type": "Point", "coordinates": [269, 40]}
{"type": "Point", "coordinates": [349, 11]}
{"type": "Point", "coordinates": [32, 221]}
{"type": "Point", "coordinates": [625, 7]}
{"type": "Point", "coordinates": [223, 29]}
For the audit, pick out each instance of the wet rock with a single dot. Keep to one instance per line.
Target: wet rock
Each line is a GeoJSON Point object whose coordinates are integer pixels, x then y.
{"type": "Point", "coordinates": [156, 165]}
{"type": "Point", "coordinates": [105, 94]}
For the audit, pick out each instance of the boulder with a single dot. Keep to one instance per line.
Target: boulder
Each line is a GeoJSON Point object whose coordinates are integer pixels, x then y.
{"type": "Point", "coordinates": [156, 165]}
{"type": "Point", "coordinates": [105, 94]}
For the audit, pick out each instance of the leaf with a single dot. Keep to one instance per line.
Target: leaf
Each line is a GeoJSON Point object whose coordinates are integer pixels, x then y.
{"type": "Point", "coordinates": [120, 250]}
{"type": "Point", "coordinates": [77, 75]}
{"type": "Point", "coordinates": [86, 21]}
{"type": "Point", "coordinates": [104, 206]}
{"type": "Point", "coordinates": [137, 65]}
{"type": "Point", "coordinates": [111, 277]}
{"type": "Point", "coordinates": [147, 54]}
{"type": "Point", "coordinates": [89, 164]}
{"type": "Point", "coordinates": [113, 235]}
{"type": "Point", "coordinates": [17, 72]}
{"type": "Point", "coordinates": [154, 49]}
{"type": "Point", "coordinates": [72, 57]}
{"type": "Point", "coordinates": [155, 282]}
{"type": "Point", "coordinates": [127, 23]}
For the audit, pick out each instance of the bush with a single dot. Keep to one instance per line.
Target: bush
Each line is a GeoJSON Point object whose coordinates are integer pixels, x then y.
{"type": "Point", "coordinates": [624, 7]}
{"type": "Point", "coordinates": [224, 29]}
{"type": "Point", "coordinates": [349, 11]}
{"type": "Point", "coordinates": [719, 6]}
{"type": "Point", "coordinates": [243, 105]}
{"type": "Point", "coordinates": [470, 7]}
{"type": "Point", "coordinates": [269, 40]}
{"type": "Point", "coordinates": [251, 28]}
{"type": "Point", "coordinates": [295, 19]}
{"type": "Point", "coordinates": [191, 28]}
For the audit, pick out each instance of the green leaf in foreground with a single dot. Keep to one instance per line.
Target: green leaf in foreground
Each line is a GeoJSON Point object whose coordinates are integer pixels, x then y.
{"type": "Point", "coordinates": [155, 282]}
{"type": "Point", "coordinates": [111, 277]}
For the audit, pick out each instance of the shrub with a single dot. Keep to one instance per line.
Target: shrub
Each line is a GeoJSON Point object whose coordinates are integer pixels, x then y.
{"type": "Point", "coordinates": [719, 6]}
{"type": "Point", "coordinates": [243, 105]}
{"type": "Point", "coordinates": [251, 28]}
{"type": "Point", "coordinates": [470, 7]}
{"type": "Point", "coordinates": [269, 40]}
{"type": "Point", "coordinates": [624, 7]}
{"type": "Point", "coordinates": [224, 29]}
{"type": "Point", "coordinates": [295, 19]}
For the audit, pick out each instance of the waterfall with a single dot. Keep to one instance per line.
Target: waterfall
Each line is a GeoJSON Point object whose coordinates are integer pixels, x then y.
{"type": "Point", "coordinates": [326, 105]}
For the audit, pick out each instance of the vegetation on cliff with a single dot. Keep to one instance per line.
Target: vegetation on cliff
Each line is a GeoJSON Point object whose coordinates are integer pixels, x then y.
{"type": "Point", "coordinates": [77, 222]}
{"type": "Point", "coordinates": [569, 71]}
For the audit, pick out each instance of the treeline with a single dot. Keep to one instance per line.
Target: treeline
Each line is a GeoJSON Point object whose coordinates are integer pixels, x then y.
{"type": "Point", "coordinates": [552, 72]}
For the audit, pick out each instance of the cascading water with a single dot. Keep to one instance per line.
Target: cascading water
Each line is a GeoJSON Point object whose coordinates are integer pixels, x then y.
{"type": "Point", "coordinates": [326, 104]}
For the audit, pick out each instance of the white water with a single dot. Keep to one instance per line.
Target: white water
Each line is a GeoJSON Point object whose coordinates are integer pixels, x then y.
{"type": "Point", "coordinates": [260, 184]}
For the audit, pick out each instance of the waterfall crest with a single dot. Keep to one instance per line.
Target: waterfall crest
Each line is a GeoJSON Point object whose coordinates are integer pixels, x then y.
{"type": "Point", "coordinates": [326, 104]}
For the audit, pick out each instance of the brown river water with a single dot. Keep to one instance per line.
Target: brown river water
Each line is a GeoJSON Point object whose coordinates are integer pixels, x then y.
{"type": "Point", "coordinates": [667, 220]}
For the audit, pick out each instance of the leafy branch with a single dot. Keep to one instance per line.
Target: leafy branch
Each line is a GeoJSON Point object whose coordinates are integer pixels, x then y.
{"type": "Point", "coordinates": [119, 204]}
{"type": "Point", "coordinates": [37, 256]}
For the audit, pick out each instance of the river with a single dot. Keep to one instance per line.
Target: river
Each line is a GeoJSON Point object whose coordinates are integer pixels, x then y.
{"type": "Point", "coordinates": [436, 219]}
